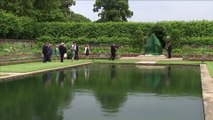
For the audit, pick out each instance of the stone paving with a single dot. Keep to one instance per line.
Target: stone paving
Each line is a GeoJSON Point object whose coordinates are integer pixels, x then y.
{"type": "Point", "coordinates": [150, 59]}
{"type": "Point", "coordinates": [207, 81]}
{"type": "Point", "coordinates": [207, 86]}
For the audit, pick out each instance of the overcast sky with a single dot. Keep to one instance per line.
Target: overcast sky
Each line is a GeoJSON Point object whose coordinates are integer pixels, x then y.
{"type": "Point", "coordinates": [156, 10]}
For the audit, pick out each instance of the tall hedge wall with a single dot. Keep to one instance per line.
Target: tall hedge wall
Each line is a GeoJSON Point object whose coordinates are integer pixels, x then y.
{"type": "Point", "coordinates": [91, 30]}
{"type": "Point", "coordinates": [119, 32]}
{"type": "Point", "coordinates": [94, 30]}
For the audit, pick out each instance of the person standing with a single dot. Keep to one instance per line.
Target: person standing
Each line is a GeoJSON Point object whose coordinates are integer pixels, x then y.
{"type": "Point", "coordinates": [73, 49]}
{"type": "Point", "coordinates": [113, 51]}
{"type": "Point", "coordinates": [169, 48]}
{"type": "Point", "coordinates": [49, 52]}
{"type": "Point", "coordinates": [87, 51]}
{"type": "Point", "coordinates": [56, 52]}
{"type": "Point", "coordinates": [62, 51]}
{"type": "Point", "coordinates": [76, 51]}
{"type": "Point", "coordinates": [44, 52]}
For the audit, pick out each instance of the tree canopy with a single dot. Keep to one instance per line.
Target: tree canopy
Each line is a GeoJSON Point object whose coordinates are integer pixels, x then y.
{"type": "Point", "coordinates": [112, 10]}
{"type": "Point", "coordinates": [41, 10]}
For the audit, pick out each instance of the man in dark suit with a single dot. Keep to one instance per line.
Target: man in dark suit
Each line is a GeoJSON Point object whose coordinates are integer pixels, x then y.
{"type": "Point", "coordinates": [113, 51]}
{"type": "Point", "coordinates": [169, 47]}
{"type": "Point", "coordinates": [76, 52]}
{"type": "Point", "coordinates": [44, 52]}
{"type": "Point", "coordinates": [62, 51]}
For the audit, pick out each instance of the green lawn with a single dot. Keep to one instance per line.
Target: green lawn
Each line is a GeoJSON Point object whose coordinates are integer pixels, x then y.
{"type": "Point", "coordinates": [210, 67]}
{"type": "Point", "coordinates": [28, 67]}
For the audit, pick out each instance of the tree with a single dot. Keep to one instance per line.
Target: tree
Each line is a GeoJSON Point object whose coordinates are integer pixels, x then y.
{"type": "Point", "coordinates": [17, 7]}
{"type": "Point", "coordinates": [42, 10]}
{"type": "Point", "coordinates": [52, 10]}
{"type": "Point", "coordinates": [112, 10]}
{"type": "Point", "coordinates": [79, 18]}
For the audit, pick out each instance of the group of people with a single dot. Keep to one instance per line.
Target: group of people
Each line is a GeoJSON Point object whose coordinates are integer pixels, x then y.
{"type": "Point", "coordinates": [61, 50]}
{"type": "Point", "coordinates": [75, 50]}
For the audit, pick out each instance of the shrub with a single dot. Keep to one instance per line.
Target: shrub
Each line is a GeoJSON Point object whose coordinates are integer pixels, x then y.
{"type": "Point", "coordinates": [44, 39]}
{"type": "Point", "coordinates": [196, 41]}
{"type": "Point", "coordinates": [15, 27]}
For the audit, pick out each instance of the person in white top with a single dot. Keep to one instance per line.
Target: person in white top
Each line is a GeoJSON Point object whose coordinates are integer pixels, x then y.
{"type": "Point", "coordinates": [87, 51]}
{"type": "Point", "coordinates": [73, 49]}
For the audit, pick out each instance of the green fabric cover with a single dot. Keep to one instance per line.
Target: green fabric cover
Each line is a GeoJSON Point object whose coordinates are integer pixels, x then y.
{"type": "Point", "coordinates": [153, 45]}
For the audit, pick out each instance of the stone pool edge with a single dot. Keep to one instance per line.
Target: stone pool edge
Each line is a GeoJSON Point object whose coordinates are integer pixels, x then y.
{"type": "Point", "coordinates": [207, 91]}
{"type": "Point", "coordinates": [18, 75]}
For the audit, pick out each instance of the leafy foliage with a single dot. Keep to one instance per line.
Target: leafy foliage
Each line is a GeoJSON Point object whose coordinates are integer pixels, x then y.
{"type": "Point", "coordinates": [43, 10]}
{"type": "Point", "coordinates": [138, 42]}
{"type": "Point", "coordinates": [112, 10]}
{"type": "Point", "coordinates": [196, 41]}
{"type": "Point", "coordinates": [14, 27]}
{"type": "Point", "coordinates": [123, 33]}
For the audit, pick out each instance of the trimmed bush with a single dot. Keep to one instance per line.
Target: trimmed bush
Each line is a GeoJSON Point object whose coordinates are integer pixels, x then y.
{"type": "Point", "coordinates": [193, 33]}
{"type": "Point", "coordinates": [196, 41]}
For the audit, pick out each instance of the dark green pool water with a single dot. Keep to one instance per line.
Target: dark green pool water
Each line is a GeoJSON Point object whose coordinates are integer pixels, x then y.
{"type": "Point", "coordinates": [105, 92]}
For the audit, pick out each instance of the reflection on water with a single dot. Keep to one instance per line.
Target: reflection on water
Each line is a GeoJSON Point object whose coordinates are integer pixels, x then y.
{"type": "Point", "coordinates": [113, 71]}
{"type": "Point", "coordinates": [105, 92]}
{"type": "Point", "coordinates": [86, 72]}
{"type": "Point", "coordinates": [74, 75]}
{"type": "Point", "coordinates": [47, 79]}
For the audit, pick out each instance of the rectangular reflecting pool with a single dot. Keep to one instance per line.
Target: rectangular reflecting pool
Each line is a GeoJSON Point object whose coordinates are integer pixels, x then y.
{"type": "Point", "coordinates": [105, 92]}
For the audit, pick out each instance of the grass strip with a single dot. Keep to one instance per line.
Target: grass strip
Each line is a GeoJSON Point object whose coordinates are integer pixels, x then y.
{"type": "Point", "coordinates": [29, 67]}
{"type": "Point", "coordinates": [210, 68]}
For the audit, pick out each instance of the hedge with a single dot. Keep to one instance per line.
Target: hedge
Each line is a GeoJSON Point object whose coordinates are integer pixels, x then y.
{"type": "Point", "coordinates": [197, 41]}
{"type": "Point", "coordinates": [181, 32]}
{"type": "Point", "coordinates": [15, 27]}
{"type": "Point", "coordinates": [83, 40]}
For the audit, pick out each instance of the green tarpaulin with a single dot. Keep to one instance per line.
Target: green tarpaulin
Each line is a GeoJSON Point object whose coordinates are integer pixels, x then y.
{"type": "Point", "coordinates": [153, 45]}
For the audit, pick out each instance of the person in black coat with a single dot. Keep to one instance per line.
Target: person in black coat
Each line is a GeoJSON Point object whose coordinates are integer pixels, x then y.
{"type": "Point", "coordinates": [44, 52]}
{"type": "Point", "coordinates": [76, 51]}
{"type": "Point", "coordinates": [62, 51]}
{"type": "Point", "coordinates": [113, 51]}
{"type": "Point", "coordinates": [49, 53]}
{"type": "Point", "coordinates": [169, 49]}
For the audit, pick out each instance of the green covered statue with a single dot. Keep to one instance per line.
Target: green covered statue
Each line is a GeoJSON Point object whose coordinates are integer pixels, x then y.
{"type": "Point", "coordinates": [153, 46]}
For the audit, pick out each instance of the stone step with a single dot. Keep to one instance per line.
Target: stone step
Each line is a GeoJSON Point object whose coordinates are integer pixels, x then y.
{"type": "Point", "coordinates": [151, 58]}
